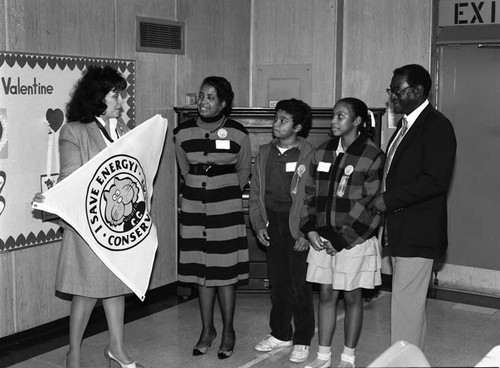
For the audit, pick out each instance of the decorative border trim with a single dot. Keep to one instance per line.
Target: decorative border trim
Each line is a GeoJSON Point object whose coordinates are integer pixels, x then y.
{"type": "Point", "coordinates": [31, 240]}
{"type": "Point", "coordinates": [80, 62]}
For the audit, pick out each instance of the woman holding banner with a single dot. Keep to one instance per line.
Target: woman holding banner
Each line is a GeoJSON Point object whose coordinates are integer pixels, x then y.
{"type": "Point", "coordinates": [93, 124]}
{"type": "Point", "coordinates": [213, 153]}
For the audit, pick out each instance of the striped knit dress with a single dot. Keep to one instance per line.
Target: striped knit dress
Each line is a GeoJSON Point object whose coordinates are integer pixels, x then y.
{"type": "Point", "coordinates": [215, 162]}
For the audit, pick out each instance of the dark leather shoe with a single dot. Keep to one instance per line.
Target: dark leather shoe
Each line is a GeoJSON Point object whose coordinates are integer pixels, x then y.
{"type": "Point", "coordinates": [224, 354]}
{"type": "Point", "coordinates": [201, 350]}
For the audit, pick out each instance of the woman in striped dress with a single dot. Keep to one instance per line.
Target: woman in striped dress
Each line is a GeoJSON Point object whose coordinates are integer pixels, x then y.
{"type": "Point", "coordinates": [214, 157]}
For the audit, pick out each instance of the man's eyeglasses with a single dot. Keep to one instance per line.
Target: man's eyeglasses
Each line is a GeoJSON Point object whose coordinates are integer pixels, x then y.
{"type": "Point", "coordinates": [398, 94]}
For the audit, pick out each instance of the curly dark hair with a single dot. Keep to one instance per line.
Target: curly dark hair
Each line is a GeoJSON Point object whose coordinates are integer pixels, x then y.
{"type": "Point", "coordinates": [300, 112]}
{"type": "Point", "coordinates": [224, 91]}
{"type": "Point", "coordinates": [87, 98]}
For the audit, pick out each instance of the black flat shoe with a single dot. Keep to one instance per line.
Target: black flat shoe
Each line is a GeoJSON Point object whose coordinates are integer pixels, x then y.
{"type": "Point", "coordinates": [224, 354]}
{"type": "Point", "coordinates": [197, 350]}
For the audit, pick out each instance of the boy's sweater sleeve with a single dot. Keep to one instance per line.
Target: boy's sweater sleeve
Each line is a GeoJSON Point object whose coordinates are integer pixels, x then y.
{"type": "Point", "coordinates": [254, 210]}
{"type": "Point", "coordinates": [308, 214]}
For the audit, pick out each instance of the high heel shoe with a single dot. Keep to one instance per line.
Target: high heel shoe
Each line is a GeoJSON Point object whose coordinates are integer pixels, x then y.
{"type": "Point", "coordinates": [224, 354]}
{"type": "Point", "coordinates": [110, 357]}
{"type": "Point", "coordinates": [203, 350]}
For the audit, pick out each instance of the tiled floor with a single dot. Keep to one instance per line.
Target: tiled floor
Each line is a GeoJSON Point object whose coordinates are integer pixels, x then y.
{"type": "Point", "coordinates": [458, 335]}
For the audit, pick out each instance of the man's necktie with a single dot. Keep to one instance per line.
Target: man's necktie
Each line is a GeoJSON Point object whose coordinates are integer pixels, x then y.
{"type": "Point", "coordinates": [388, 160]}
{"type": "Point", "coordinates": [393, 148]}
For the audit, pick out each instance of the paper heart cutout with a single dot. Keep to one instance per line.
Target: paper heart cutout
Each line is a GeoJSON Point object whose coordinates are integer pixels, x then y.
{"type": "Point", "coordinates": [21, 60]}
{"type": "Point", "coordinates": [11, 60]}
{"type": "Point", "coordinates": [71, 64]}
{"type": "Point", "coordinates": [31, 61]}
{"type": "Point", "coordinates": [2, 205]}
{"type": "Point", "coordinates": [55, 118]}
{"type": "Point", "coordinates": [42, 62]}
{"type": "Point", "coordinates": [3, 178]}
{"type": "Point", "coordinates": [61, 63]}
{"type": "Point", "coordinates": [52, 62]}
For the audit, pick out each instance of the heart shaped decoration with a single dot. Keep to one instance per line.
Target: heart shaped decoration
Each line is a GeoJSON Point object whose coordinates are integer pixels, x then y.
{"type": "Point", "coordinates": [52, 62]}
{"type": "Point", "coordinates": [42, 62]}
{"type": "Point", "coordinates": [31, 61]}
{"type": "Point", "coordinates": [11, 60]}
{"type": "Point", "coordinates": [55, 118]}
{"type": "Point", "coordinates": [3, 177]}
{"type": "Point", "coordinates": [71, 64]}
{"type": "Point", "coordinates": [61, 63]}
{"type": "Point", "coordinates": [21, 60]}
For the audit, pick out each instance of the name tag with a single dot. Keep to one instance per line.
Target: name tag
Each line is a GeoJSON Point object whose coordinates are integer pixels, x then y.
{"type": "Point", "coordinates": [324, 166]}
{"type": "Point", "coordinates": [222, 144]}
{"type": "Point", "coordinates": [290, 166]}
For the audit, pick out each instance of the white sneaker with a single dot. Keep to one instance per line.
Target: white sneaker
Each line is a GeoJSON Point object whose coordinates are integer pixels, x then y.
{"type": "Point", "coordinates": [346, 361]}
{"type": "Point", "coordinates": [322, 361]}
{"type": "Point", "coordinates": [271, 343]}
{"type": "Point", "coordinates": [300, 353]}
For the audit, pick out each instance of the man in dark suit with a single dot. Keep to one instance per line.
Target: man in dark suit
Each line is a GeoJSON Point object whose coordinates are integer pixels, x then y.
{"type": "Point", "coordinates": [417, 175]}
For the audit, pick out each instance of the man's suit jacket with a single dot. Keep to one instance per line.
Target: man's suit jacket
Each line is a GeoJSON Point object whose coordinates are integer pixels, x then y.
{"type": "Point", "coordinates": [417, 186]}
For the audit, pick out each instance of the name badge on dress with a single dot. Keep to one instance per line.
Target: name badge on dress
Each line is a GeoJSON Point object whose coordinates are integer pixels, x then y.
{"type": "Point", "coordinates": [290, 166]}
{"type": "Point", "coordinates": [222, 144]}
{"type": "Point", "coordinates": [324, 166]}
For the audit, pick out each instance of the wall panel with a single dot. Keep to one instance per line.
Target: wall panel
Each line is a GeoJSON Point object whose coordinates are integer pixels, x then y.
{"type": "Point", "coordinates": [155, 94]}
{"type": "Point", "coordinates": [7, 305]}
{"type": "Point", "coordinates": [217, 43]}
{"type": "Point", "coordinates": [82, 28]}
{"type": "Point", "coordinates": [35, 275]}
{"type": "Point", "coordinates": [298, 32]}
{"type": "Point", "coordinates": [380, 36]}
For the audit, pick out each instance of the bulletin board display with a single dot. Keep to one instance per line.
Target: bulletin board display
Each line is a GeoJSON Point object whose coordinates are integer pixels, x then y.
{"type": "Point", "coordinates": [34, 91]}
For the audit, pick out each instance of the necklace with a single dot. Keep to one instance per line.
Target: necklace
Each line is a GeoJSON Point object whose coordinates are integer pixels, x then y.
{"type": "Point", "coordinates": [220, 126]}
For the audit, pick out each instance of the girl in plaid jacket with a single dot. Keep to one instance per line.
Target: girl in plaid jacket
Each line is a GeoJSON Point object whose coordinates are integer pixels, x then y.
{"type": "Point", "coordinates": [345, 175]}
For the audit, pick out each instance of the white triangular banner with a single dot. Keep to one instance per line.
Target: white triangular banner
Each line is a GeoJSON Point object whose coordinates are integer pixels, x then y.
{"type": "Point", "coordinates": [108, 202]}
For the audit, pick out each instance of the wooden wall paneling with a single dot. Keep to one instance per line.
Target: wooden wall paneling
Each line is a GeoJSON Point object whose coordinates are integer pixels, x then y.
{"type": "Point", "coordinates": [155, 80]}
{"type": "Point", "coordinates": [127, 10]}
{"type": "Point", "coordinates": [298, 32]}
{"type": "Point", "coordinates": [393, 33]}
{"type": "Point", "coordinates": [217, 43]}
{"type": "Point", "coordinates": [15, 26]}
{"type": "Point", "coordinates": [35, 275]}
{"type": "Point", "coordinates": [155, 93]}
{"type": "Point", "coordinates": [165, 212]}
{"type": "Point", "coordinates": [380, 36]}
{"type": "Point", "coordinates": [7, 319]}
{"type": "Point", "coordinates": [3, 27]}
{"type": "Point", "coordinates": [83, 28]}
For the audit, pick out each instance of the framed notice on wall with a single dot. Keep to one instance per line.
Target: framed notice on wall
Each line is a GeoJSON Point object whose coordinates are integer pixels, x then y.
{"type": "Point", "coordinates": [34, 90]}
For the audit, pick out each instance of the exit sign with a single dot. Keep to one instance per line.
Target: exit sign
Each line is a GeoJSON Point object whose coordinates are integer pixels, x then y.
{"type": "Point", "coordinates": [465, 13]}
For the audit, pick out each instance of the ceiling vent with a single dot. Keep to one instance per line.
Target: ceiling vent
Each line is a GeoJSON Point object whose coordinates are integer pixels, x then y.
{"type": "Point", "coordinates": [160, 36]}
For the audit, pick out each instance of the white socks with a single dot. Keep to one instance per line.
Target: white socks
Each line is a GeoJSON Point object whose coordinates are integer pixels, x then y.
{"type": "Point", "coordinates": [349, 351]}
